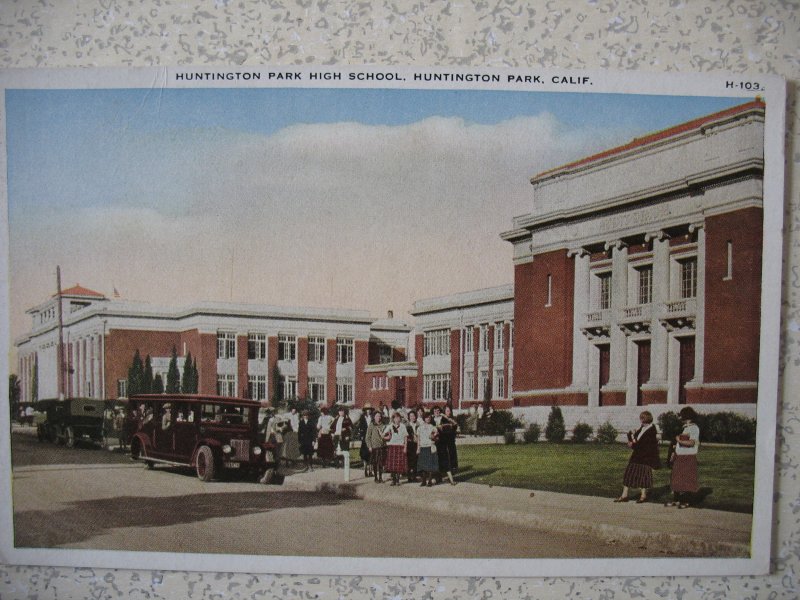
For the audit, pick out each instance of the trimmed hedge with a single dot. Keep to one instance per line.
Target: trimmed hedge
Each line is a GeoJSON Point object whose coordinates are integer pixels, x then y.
{"type": "Point", "coordinates": [532, 433]}
{"type": "Point", "coordinates": [582, 432]}
{"type": "Point", "coordinates": [555, 431]}
{"type": "Point", "coordinates": [606, 433]}
{"type": "Point", "coordinates": [722, 427]}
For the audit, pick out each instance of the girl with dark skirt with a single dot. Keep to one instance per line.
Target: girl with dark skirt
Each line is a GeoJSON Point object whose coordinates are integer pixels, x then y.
{"type": "Point", "coordinates": [427, 463]}
{"type": "Point", "coordinates": [445, 445]}
{"type": "Point", "coordinates": [325, 439]}
{"type": "Point", "coordinates": [411, 446]}
{"type": "Point", "coordinates": [639, 472]}
{"type": "Point", "coordinates": [684, 480]}
{"type": "Point", "coordinates": [306, 435]}
{"type": "Point", "coordinates": [362, 425]}
{"type": "Point", "coordinates": [376, 445]}
{"type": "Point", "coordinates": [396, 435]}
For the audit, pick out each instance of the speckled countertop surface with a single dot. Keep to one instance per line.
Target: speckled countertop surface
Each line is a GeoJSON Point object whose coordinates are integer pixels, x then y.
{"type": "Point", "coordinates": [736, 36]}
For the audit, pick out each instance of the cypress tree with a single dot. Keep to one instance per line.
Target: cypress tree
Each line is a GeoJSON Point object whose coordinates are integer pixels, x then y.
{"type": "Point", "coordinates": [158, 384]}
{"type": "Point", "coordinates": [195, 377]}
{"type": "Point", "coordinates": [173, 376]}
{"type": "Point", "coordinates": [555, 430]}
{"type": "Point", "coordinates": [147, 376]}
{"type": "Point", "coordinates": [186, 378]}
{"type": "Point", "coordinates": [135, 375]}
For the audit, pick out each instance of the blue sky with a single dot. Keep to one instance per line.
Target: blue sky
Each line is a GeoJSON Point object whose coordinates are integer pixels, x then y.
{"type": "Point", "coordinates": [158, 193]}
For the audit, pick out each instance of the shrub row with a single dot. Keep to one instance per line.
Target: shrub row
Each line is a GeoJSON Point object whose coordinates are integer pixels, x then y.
{"type": "Point", "coordinates": [721, 427]}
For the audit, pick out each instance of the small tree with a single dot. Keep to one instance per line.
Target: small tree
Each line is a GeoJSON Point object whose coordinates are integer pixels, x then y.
{"type": "Point", "coordinates": [136, 375]}
{"type": "Point", "coordinates": [186, 378]}
{"type": "Point", "coordinates": [158, 384]}
{"type": "Point", "coordinates": [606, 433]}
{"type": "Point", "coordinates": [14, 393]}
{"type": "Point", "coordinates": [173, 376]}
{"type": "Point", "coordinates": [35, 382]}
{"type": "Point", "coordinates": [532, 433]}
{"type": "Point", "coordinates": [147, 376]}
{"type": "Point", "coordinates": [582, 432]}
{"type": "Point", "coordinates": [555, 431]}
{"type": "Point", "coordinates": [670, 425]}
{"type": "Point", "coordinates": [277, 389]}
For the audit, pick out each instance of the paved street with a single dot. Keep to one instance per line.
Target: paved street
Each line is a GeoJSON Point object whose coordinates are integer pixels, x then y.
{"type": "Point", "coordinates": [87, 498]}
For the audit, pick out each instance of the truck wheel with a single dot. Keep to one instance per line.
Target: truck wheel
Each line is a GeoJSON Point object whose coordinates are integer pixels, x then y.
{"type": "Point", "coordinates": [69, 437]}
{"type": "Point", "coordinates": [204, 464]}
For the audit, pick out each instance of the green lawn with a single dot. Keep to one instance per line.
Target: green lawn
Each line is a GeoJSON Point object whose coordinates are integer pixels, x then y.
{"type": "Point", "coordinates": [726, 473]}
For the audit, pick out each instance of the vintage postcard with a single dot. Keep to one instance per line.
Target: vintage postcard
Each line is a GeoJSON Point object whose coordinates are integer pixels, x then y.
{"type": "Point", "coordinates": [410, 321]}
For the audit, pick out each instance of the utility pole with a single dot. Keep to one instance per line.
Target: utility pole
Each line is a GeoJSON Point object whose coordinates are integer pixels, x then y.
{"type": "Point", "coordinates": [60, 336]}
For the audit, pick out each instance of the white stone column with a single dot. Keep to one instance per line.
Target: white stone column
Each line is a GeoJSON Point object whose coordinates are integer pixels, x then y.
{"type": "Point", "coordinates": [659, 339]}
{"type": "Point", "coordinates": [699, 324]}
{"type": "Point", "coordinates": [619, 294]}
{"type": "Point", "coordinates": [580, 303]}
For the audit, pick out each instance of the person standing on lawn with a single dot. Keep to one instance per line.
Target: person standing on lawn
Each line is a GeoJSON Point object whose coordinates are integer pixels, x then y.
{"type": "Point", "coordinates": [427, 462]}
{"type": "Point", "coordinates": [396, 436]}
{"type": "Point", "coordinates": [324, 439]}
{"type": "Point", "coordinates": [644, 458]}
{"type": "Point", "coordinates": [411, 445]}
{"type": "Point", "coordinates": [684, 479]}
{"type": "Point", "coordinates": [362, 425]}
{"type": "Point", "coordinates": [376, 445]}
{"type": "Point", "coordinates": [306, 435]}
{"type": "Point", "coordinates": [342, 428]}
{"type": "Point", "coordinates": [445, 444]}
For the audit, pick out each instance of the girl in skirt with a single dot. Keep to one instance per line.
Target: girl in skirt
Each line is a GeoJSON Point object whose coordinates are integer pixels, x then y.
{"type": "Point", "coordinates": [639, 472]}
{"type": "Point", "coordinates": [684, 479]}
{"type": "Point", "coordinates": [325, 439]}
{"type": "Point", "coordinates": [376, 445]}
{"type": "Point", "coordinates": [427, 463]}
{"type": "Point", "coordinates": [411, 446]}
{"type": "Point", "coordinates": [396, 436]}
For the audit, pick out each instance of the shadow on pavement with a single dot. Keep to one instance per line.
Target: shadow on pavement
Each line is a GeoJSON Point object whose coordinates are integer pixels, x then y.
{"type": "Point", "coordinates": [467, 473]}
{"type": "Point", "coordinates": [86, 519]}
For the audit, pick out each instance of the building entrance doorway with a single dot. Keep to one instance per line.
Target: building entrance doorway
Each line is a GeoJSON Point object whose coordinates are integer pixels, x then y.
{"type": "Point", "coordinates": [686, 367]}
{"type": "Point", "coordinates": [642, 368]}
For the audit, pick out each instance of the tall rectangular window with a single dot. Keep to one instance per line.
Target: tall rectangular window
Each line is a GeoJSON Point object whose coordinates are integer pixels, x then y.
{"type": "Point", "coordinates": [689, 278]}
{"type": "Point", "coordinates": [437, 342]}
{"type": "Point", "coordinates": [344, 350]}
{"type": "Point", "coordinates": [226, 385]}
{"type": "Point", "coordinates": [287, 347]}
{"type": "Point", "coordinates": [484, 337]}
{"type": "Point", "coordinates": [605, 291]}
{"type": "Point", "coordinates": [498, 336]}
{"type": "Point", "coordinates": [468, 347]}
{"type": "Point", "coordinates": [469, 385]}
{"type": "Point", "coordinates": [289, 385]}
{"type": "Point", "coordinates": [344, 390]}
{"type": "Point", "coordinates": [316, 349]}
{"type": "Point", "coordinates": [499, 384]}
{"type": "Point", "coordinates": [256, 346]}
{"type": "Point", "coordinates": [483, 381]}
{"type": "Point", "coordinates": [316, 389]}
{"type": "Point", "coordinates": [226, 344]}
{"type": "Point", "coordinates": [122, 388]}
{"type": "Point", "coordinates": [645, 295]}
{"type": "Point", "coordinates": [257, 387]}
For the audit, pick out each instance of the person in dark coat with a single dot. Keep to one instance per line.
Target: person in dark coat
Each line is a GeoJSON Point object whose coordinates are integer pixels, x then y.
{"type": "Point", "coordinates": [644, 458]}
{"type": "Point", "coordinates": [445, 444]}
{"type": "Point", "coordinates": [306, 436]}
{"type": "Point", "coordinates": [342, 430]}
{"type": "Point", "coordinates": [362, 425]}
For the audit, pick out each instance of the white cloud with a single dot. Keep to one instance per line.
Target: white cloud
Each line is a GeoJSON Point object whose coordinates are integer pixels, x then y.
{"type": "Point", "coordinates": [321, 214]}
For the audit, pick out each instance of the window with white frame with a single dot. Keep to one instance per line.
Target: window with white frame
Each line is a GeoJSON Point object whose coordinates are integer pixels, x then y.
{"type": "Point", "coordinates": [498, 336]}
{"type": "Point", "coordinates": [437, 342]}
{"type": "Point", "coordinates": [316, 349]}
{"type": "Point", "coordinates": [468, 339]}
{"type": "Point", "coordinates": [604, 296]}
{"type": "Point", "coordinates": [287, 347]}
{"type": "Point", "coordinates": [257, 387]}
{"type": "Point", "coordinates": [511, 334]}
{"type": "Point", "coordinates": [344, 350]}
{"type": "Point", "coordinates": [436, 386]}
{"type": "Point", "coordinates": [122, 388]}
{"type": "Point", "coordinates": [289, 387]}
{"type": "Point", "coordinates": [256, 346]}
{"type": "Point", "coordinates": [384, 354]}
{"type": "Point", "coordinates": [485, 337]}
{"type": "Point", "coordinates": [689, 277]}
{"type": "Point", "coordinates": [645, 292]}
{"type": "Point", "coordinates": [226, 385]}
{"type": "Point", "coordinates": [469, 385]}
{"type": "Point", "coordinates": [316, 389]}
{"type": "Point", "coordinates": [344, 390]}
{"type": "Point", "coordinates": [483, 380]}
{"type": "Point", "coordinates": [499, 384]}
{"type": "Point", "coordinates": [226, 344]}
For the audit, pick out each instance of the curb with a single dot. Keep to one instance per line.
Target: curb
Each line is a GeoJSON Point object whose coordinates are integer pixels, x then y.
{"type": "Point", "coordinates": [662, 543]}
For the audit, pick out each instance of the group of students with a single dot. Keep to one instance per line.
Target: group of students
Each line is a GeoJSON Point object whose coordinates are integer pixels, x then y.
{"type": "Point", "coordinates": [682, 458]}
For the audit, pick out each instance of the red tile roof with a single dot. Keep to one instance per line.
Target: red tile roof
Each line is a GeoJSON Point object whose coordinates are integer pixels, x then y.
{"type": "Point", "coordinates": [656, 136]}
{"type": "Point", "coordinates": [77, 290]}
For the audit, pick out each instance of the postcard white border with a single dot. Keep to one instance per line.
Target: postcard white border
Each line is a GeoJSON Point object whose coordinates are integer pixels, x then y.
{"type": "Point", "coordinates": [773, 90]}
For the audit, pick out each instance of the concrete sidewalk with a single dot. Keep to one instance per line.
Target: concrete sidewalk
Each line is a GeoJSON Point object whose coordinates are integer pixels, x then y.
{"type": "Point", "coordinates": [667, 531]}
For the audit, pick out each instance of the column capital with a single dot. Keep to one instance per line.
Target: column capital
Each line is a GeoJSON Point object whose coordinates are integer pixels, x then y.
{"type": "Point", "coordinates": [615, 244]}
{"type": "Point", "coordinates": [579, 252]}
{"type": "Point", "coordinates": [695, 226]}
{"type": "Point", "coordinates": [659, 235]}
